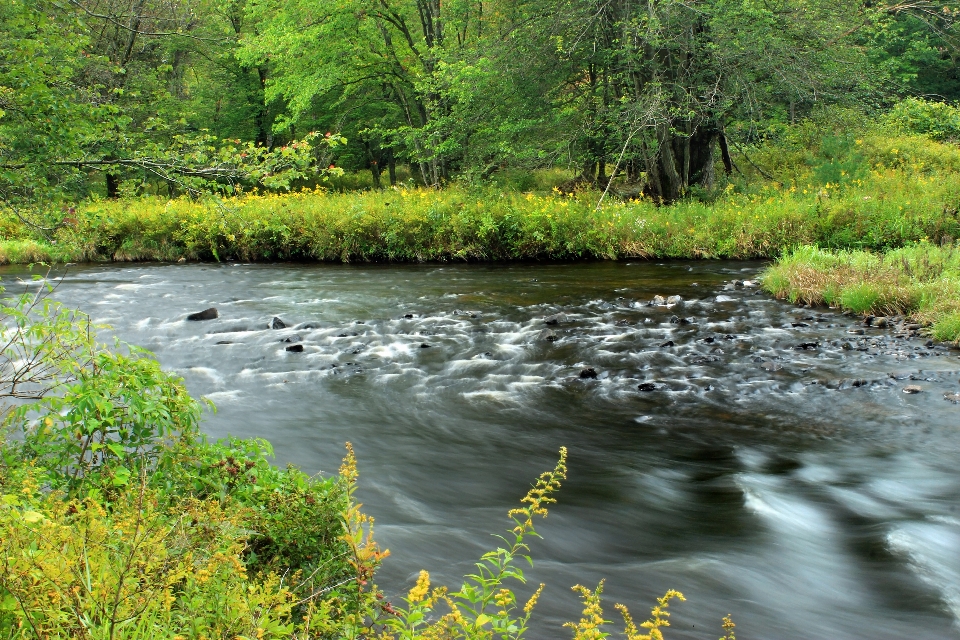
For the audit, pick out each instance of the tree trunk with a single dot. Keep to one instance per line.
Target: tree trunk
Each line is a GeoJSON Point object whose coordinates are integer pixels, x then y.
{"type": "Point", "coordinates": [392, 168]}
{"type": "Point", "coordinates": [725, 155]}
{"type": "Point", "coordinates": [113, 185]}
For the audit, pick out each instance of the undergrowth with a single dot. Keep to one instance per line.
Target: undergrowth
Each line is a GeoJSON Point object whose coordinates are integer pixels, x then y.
{"type": "Point", "coordinates": [877, 191]}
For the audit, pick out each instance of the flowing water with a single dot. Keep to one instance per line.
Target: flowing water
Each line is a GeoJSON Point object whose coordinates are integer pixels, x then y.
{"type": "Point", "coordinates": [797, 488]}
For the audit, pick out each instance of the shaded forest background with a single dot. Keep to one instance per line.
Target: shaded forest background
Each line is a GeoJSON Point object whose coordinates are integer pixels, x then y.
{"type": "Point", "coordinates": [108, 98]}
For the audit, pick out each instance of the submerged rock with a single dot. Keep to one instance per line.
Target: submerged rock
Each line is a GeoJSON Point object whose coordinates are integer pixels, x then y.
{"type": "Point", "coordinates": [293, 338]}
{"type": "Point", "coordinates": [548, 335]}
{"type": "Point", "coordinates": [668, 343]}
{"type": "Point", "coordinates": [206, 314]}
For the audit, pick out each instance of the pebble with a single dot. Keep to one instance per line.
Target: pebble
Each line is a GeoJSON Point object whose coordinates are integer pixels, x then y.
{"type": "Point", "coordinates": [912, 388]}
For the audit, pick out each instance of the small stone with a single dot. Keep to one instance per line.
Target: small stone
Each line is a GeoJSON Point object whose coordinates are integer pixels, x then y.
{"type": "Point", "coordinates": [548, 335]}
{"type": "Point", "coordinates": [291, 339]}
{"type": "Point", "coordinates": [725, 299]}
{"type": "Point", "coordinates": [797, 325]}
{"type": "Point", "coordinates": [647, 386]}
{"type": "Point", "coordinates": [668, 343]}
{"type": "Point", "coordinates": [912, 388]}
{"type": "Point", "coordinates": [771, 366]}
{"type": "Point", "coordinates": [225, 342]}
{"type": "Point", "coordinates": [295, 348]}
{"type": "Point", "coordinates": [858, 332]}
{"type": "Point", "coordinates": [206, 314]}
{"type": "Point", "coordinates": [659, 301]}
{"type": "Point", "coordinates": [674, 301]}
{"type": "Point", "coordinates": [880, 322]}
{"type": "Point", "coordinates": [557, 318]}
{"type": "Point", "coordinates": [952, 397]}
{"type": "Point", "coordinates": [674, 320]}
{"type": "Point", "coordinates": [589, 372]}
{"type": "Point", "coordinates": [408, 316]}
{"type": "Point", "coordinates": [868, 321]}
{"type": "Point", "coordinates": [277, 323]}
{"type": "Point", "coordinates": [803, 346]}
{"type": "Point", "coordinates": [750, 284]}
{"type": "Point", "coordinates": [424, 346]}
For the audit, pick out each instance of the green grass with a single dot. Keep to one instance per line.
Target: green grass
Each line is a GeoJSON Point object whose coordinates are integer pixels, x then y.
{"type": "Point", "coordinates": [921, 280]}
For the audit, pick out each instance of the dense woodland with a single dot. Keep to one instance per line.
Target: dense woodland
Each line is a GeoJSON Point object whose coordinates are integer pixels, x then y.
{"type": "Point", "coordinates": [128, 97]}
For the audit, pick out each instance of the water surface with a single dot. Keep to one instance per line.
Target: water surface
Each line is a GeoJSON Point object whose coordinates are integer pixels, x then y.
{"type": "Point", "coordinates": [755, 477]}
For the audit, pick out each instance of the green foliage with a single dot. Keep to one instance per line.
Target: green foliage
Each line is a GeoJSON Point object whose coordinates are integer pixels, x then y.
{"type": "Point", "coordinates": [938, 120]}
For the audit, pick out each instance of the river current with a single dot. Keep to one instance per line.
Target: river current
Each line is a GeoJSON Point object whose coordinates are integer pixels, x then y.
{"type": "Point", "coordinates": [757, 456]}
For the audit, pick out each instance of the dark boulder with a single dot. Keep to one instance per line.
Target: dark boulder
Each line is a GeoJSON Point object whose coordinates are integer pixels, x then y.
{"type": "Point", "coordinates": [295, 348]}
{"type": "Point", "coordinates": [206, 314]}
{"type": "Point", "coordinates": [277, 323]}
{"type": "Point", "coordinates": [589, 372]}
{"type": "Point", "coordinates": [647, 386]}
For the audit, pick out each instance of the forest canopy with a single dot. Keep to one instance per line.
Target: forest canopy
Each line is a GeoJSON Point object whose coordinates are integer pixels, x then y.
{"type": "Point", "coordinates": [126, 97]}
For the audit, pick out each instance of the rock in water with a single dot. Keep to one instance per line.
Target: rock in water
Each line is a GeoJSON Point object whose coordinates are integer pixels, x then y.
{"type": "Point", "coordinates": [647, 386]}
{"type": "Point", "coordinates": [556, 318]}
{"type": "Point", "coordinates": [659, 301]}
{"type": "Point", "coordinates": [589, 372]}
{"type": "Point", "coordinates": [277, 323]}
{"type": "Point", "coordinates": [295, 348]}
{"type": "Point", "coordinates": [206, 314]}
{"type": "Point", "coordinates": [952, 397]}
{"type": "Point", "coordinates": [674, 301]}
{"type": "Point", "coordinates": [725, 299]}
{"type": "Point", "coordinates": [291, 339]}
{"type": "Point", "coordinates": [547, 335]}
{"type": "Point", "coordinates": [912, 388]}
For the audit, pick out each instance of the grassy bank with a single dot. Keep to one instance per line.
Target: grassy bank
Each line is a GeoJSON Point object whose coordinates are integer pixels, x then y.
{"type": "Point", "coordinates": [921, 281]}
{"type": "Point", "coordinates": [886, 192]}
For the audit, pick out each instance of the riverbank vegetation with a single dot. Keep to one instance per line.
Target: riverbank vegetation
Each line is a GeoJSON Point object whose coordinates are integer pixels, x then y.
{"type": "Point", "coordinates": [873, 186]}
{"type": "Point", "coordinates": [922, 281]}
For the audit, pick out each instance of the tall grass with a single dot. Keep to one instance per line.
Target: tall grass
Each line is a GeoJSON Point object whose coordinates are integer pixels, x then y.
{"type": "Point", "coordinates": [922, 280]}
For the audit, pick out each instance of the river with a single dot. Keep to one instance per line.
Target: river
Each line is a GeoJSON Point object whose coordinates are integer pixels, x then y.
{"type": "Point", "coordinates": [756, 477]}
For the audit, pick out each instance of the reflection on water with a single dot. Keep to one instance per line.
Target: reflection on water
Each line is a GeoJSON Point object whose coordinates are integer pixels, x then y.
{"type": "Point", "coordinates": [755, 476]}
